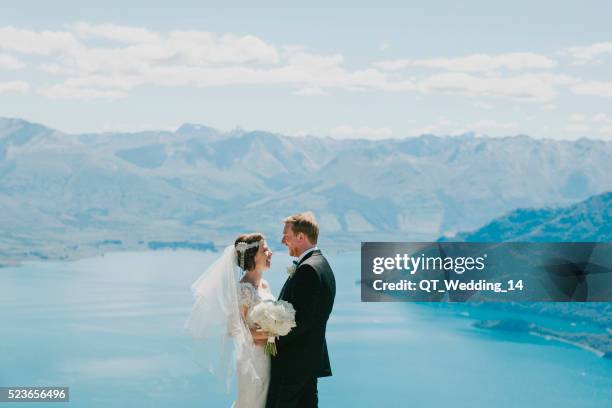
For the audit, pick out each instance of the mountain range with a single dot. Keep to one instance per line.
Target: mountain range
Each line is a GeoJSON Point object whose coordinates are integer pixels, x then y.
{"type": "Point", "coordinates": [63, 192]}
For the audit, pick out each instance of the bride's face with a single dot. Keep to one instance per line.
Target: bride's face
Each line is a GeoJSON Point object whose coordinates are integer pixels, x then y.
{"type": "Point", "coordinates": [263, 257]}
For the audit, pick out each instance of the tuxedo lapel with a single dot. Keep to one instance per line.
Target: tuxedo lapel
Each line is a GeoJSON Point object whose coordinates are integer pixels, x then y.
{"type": "Point", "coordinates": [308, 255]}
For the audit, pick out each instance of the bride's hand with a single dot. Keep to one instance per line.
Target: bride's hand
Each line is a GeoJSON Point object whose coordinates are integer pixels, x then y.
{"type": "Point", "coordinates": [260, 342]}
{"type": "Point", "coordinates": [260, 337]}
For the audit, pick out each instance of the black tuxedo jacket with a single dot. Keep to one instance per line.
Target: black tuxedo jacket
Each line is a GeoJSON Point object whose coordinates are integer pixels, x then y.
{"type": "Point", "coordinates": [311, 290]}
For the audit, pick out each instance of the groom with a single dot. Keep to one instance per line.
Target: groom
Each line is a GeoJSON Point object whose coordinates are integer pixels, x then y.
{"type": "Point", "coordinates": [311, 288]}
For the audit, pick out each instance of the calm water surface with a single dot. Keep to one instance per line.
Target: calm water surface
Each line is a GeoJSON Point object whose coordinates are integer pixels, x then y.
{"type": "Point", "coordinates": [110, 328]}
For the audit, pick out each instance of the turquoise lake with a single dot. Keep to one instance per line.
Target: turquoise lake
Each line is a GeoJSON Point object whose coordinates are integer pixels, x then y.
{"type": "Point", "coordinates": [111, 329]}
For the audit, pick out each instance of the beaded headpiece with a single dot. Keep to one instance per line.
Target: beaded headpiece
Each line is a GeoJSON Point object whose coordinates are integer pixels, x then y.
{"type": "Point", "coordinates": [242, 247]}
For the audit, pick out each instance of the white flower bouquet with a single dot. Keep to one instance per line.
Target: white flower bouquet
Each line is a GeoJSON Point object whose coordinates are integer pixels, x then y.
{"type": "Point", "coordinates": [276, 318]}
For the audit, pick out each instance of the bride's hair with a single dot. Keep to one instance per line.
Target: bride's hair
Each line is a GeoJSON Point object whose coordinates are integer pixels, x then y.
{"type": "Point", "coordinates": [246, 259]}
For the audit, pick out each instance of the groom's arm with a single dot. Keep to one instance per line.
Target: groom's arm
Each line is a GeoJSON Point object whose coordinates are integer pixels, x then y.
{"type": "Point", "coordinates": [305, 298]}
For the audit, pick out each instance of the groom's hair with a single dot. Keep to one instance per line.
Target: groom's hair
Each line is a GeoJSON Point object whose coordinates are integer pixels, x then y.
{"type": "Point", "coordinates": [305, 223]}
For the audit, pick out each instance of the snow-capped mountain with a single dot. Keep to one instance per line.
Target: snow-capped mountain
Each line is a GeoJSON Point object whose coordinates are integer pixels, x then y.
{"type": "Point", "coordinates": [59, 190]}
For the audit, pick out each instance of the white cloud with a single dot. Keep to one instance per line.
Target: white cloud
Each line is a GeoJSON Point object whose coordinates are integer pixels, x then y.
{"type": "Point", "coordinates": [315, 75]}
{"type": "Point", "coordinates": [190, 47]}
{"type": "Point", "coordinates": [482, 105]}
{"type": "Point", "coordinates": [8, 61]}
{"type": "Point", "coordinates": [303, 132]}
{"type": "Point", "coordinates": [311, 92]}
{"type": "Point", "coordinates": [577, 117]}
{"type": "Point", "coordinates": [326, 71]}
{"type": "Point", "coordinates": [535, 87]}
{"type": "Point", "coordinates": [67, 92]}
{"type": "Point", "coordinates": [581, 123]}
{"type": "Point", "coordinates": [595, 88]}
{"type": "Point", "coordinates": [180, 58]}
{"type": "Point", "coordinates": [14, 86]}
{"type": "Point", "coordinates": [578, 128]}
{"type": "Point", "coordinates": [474, 63]}
{"type": "Point", "coordinates": [443, 121]}
{"type": "Point", "coordinates": [348, 131]}
{"type": "Point", "coordinates": [138, 56]}
{"type": "Point", "coordinates": [589, 53]}
{"type": "Point", "coordinates": [33, 42]}
{"type": "Point", "coordinates": [124, 34]}
{"type": "Point", "coordinates": [199, 47]}
{"type": "Point", "coordinates": [304, 59]}
{"type": "Point", "coordinates": [445, 126]}
{"type": "Point", "coordinates": [423, 130]}
{"type": "Point", "coordinates": [483, 126]}
{"type": "Point", "coordinates": [103, 61]}
{"type": "Point", "coordinates": [488, 124]}
{"type": "Point", "coordinates": [441, 125]}
{"type": "Point", "coordinates": [602, 118]}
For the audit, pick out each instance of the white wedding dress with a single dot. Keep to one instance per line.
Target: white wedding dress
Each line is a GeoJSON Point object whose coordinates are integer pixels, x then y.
{"type": "Point", "coordinates": [252, 392]}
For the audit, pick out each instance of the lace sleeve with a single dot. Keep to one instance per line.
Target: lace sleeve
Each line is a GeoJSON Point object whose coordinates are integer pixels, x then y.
{"type": "Point", "coordinates": [246, 295]}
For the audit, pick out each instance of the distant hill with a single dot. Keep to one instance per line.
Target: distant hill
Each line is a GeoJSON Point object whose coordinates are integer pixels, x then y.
{"type": "Point", "coordinates": [196, 184]}
{"type": "Point", "coordinates": [587, 221]}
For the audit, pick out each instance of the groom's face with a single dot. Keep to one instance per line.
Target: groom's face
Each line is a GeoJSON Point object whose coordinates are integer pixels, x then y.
{"type": "Point", "coordinates": [291, 240]}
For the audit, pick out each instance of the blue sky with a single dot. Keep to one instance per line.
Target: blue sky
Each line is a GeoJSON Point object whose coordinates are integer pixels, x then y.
{"type": "Point", "coordinates": [387, 69]}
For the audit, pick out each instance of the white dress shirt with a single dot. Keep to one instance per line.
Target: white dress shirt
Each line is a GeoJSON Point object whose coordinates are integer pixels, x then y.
{"type": "Point", "coordinates": [306, 252]}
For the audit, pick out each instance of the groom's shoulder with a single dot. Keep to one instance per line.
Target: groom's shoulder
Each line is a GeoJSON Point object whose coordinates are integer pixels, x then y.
{"type": "Point", "coordinates": [317, 260]}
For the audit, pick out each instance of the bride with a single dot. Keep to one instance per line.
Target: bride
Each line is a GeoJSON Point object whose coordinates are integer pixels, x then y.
{"type": "Point", "coordinates": [226, 340]}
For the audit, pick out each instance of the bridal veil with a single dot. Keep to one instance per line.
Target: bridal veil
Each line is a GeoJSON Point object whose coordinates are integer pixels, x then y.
{"type": "Point", "coordinates": [221, 338]}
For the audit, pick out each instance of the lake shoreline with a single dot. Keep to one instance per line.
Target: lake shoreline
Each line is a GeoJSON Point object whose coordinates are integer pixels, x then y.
{"type": "Point", "coordinates": [598, 343]}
